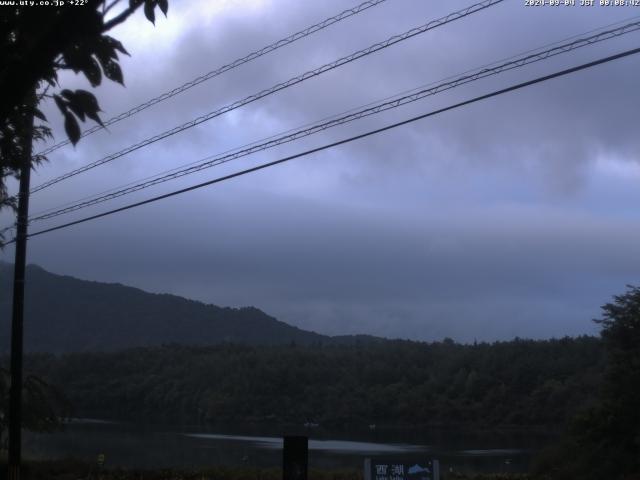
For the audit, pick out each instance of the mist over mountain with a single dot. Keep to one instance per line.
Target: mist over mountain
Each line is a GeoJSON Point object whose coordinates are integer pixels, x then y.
{"type": "Point", "coordinates": [66, 314]}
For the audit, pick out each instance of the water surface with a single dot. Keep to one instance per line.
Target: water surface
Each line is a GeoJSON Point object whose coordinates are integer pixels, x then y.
{"type": "Point", "coordinates": [130, 445]}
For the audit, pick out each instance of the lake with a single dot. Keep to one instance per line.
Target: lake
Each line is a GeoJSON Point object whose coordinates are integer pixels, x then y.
{"type": "Point", "coordinates": [129, 445]}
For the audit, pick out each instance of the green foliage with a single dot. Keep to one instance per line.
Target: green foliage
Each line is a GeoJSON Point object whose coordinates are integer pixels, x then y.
{"type": "Point", "coordinates": [390, 382]}
{"type": "Point", "coordinates": [43, 407]}
{"type": "Point", "coordinates": [37, 43]}
{"type": "Point", "coordinates": [13, 129]}
{"type": "Point", "coordinates": [604, 441]}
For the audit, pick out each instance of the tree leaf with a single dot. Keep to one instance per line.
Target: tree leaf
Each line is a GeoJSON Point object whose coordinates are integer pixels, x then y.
{"type": "Point", "coordinates": [148, 11]}
{"type": "Point", "coordinates": [75, 57]}
{"type": "Point", "coordinates": [51, 78]}
{"type": "Point", "coordinates": [77, 109]}
{"type": "Point", "coordinates": [91, 70]}
{"type": "Point", "coordinates": [71, 127]}
{"type": "Point", "coordinates": [116, 44]}
{"type": "Point", "coordinates": [83, 103]}
{"type": "Point", "coordinates": [95, 117]}
{"type": "Point", "coordinates": [62, 105]}
{"type": "Point", "coordinates": [38, 114]}
{"type": "Point", "coordinates": [87, 101]}
{"type": "Point", "coordinates": [38, 159]}
{"type": "Point", "coordinates": [89, 105]}
{"type": "Point", "coordinates": [164, 6]}
{"type": "Point", "coordinates": [105, 51]}
{"type": "Point", "coordinates": [113, 72]}
{"type": "Point", "coordinates": [70, 62]}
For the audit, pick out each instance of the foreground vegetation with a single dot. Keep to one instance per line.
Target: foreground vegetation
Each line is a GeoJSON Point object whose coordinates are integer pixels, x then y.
{"type": "Point", "coordinates": [68, 469]}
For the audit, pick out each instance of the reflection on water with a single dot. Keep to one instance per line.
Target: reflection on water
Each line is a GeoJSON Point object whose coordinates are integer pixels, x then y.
{"type": "Point", "coordinates": [335, 446]}
{"type": "Point", "coordinates": [156, 447]}
{"type": "Point", "coordinates": [495, 451]}
{"type": "Point", "coordinates": [342, 446]}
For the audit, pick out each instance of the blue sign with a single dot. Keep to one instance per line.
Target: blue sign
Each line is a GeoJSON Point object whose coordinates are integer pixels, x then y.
{"type": "Point", "coordinates": [383, 469]}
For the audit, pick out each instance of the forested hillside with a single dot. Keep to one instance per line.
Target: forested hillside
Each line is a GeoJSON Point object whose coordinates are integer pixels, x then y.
{"type": "Point", "coordinates": [393, 382]}
{"type": "Point", "coordinates": [65, 314]}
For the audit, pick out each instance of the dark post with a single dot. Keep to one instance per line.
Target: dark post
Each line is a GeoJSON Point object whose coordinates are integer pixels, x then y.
{"type": "Point", "coordinates": [15, 397]}
{"type": "Point", "coordinates": [295, 458]}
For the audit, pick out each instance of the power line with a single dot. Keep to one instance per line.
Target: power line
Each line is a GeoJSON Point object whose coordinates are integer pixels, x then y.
{"type": "Point", "coordinates": [354, 109]}
{"type": "Point", "coordinates": [537, 50]}
{"type": "Point", "coordinates": [225, 68]}
{"type": "Point", "coordinates": [318, 127]}
{"type": "Point", "coordinates": [280, 86]}
{"type": "Point", "coordinates": [495, 93]}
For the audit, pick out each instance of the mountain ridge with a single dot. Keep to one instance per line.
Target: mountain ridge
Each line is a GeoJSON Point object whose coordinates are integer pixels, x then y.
{"type": "Point", "coordinates": [65, 314]}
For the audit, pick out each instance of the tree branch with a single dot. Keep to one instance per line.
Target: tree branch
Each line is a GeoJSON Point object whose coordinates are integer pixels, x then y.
{"type": "Point", "coordinates": [44, 93]}
{"type": "Point", "coordinates": [106, 8]}
{"type": "Point", "coordinates": [117, 20]}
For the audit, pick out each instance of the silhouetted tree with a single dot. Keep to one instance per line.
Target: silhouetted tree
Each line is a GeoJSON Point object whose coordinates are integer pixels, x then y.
{"type": "Point", "coordinates": [386, 382]}
{"type": "Point", "coordinates": [604, 440]}
{"type": "Point", "coordinates": [614, 432]}
{"type": "Point", "coordinates": [44, 406]}
{"type": "Point", "coordinates": [38, 42]}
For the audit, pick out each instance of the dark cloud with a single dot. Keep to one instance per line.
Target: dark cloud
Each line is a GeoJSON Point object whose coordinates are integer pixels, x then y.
{"type": "Point", "coordinates": [508, 217]}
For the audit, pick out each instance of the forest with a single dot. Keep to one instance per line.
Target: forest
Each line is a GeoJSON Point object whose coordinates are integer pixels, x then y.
{"type": "Point", "coordinates": [520, 382]}
{"type": "Point", "coordinates": [584, 388]}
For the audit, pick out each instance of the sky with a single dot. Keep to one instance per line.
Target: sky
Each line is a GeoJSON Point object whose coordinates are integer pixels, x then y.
{"type": "Point", "coordinates": [514, 216]}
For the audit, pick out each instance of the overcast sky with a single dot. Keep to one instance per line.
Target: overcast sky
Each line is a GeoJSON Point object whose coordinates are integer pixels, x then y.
{"type": "Point", "coordinates": [516, 216]}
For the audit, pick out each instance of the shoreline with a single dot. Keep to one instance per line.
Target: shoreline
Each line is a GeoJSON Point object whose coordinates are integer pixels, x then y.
{"type": "Point", "coordinates": [77, 469]}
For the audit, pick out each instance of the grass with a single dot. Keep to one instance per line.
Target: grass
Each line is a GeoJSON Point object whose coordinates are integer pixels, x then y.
{"type": "Point", "coordinates": [78, 470]}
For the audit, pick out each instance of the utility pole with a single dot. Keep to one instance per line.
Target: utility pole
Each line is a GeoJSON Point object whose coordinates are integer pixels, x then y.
{"type": "Point", "coordinates": [17, 319]}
